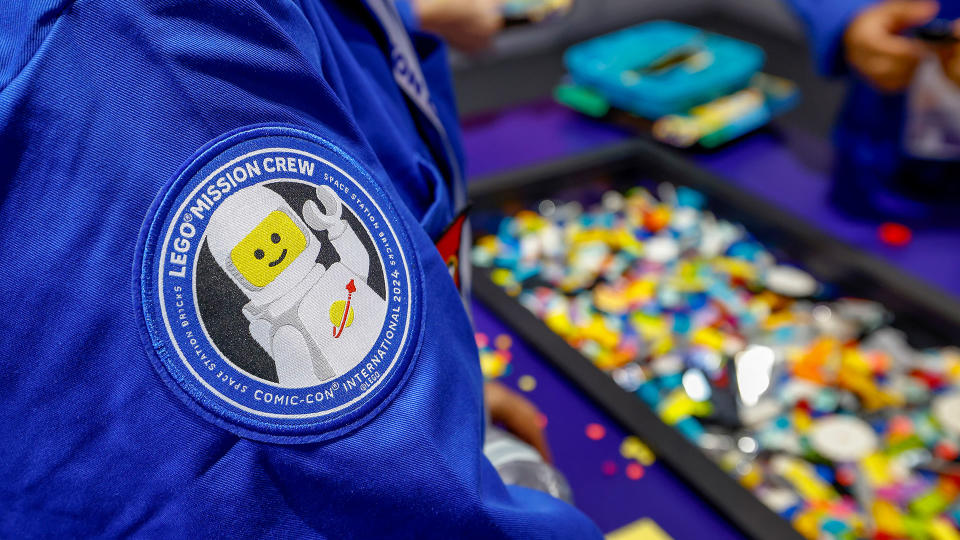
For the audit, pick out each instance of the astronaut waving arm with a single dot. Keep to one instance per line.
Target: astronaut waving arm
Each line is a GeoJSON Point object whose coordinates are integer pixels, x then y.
{"type": "Point", "coordinates": [352, 253]}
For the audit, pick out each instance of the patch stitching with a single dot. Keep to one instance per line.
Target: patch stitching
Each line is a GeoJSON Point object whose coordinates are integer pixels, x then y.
{"type": "Point", "coordinates": [192, 388]}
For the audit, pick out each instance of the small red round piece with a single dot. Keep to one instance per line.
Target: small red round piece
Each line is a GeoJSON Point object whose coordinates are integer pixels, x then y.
{"type": "Point", "coordinates": [656, 219]}
{"type": "Point", "coordinates": [946, 451]}
{"type": "Point", "coordinates": [895, 234]}
{"type": "Point", "coordinates": [609, 468]}
{"type": "Point", "coordinates": [846, 476]}
{"type": "Point", "coordinates": [634, 471]}
{"type": "Point", "coordinates": [596, 432]}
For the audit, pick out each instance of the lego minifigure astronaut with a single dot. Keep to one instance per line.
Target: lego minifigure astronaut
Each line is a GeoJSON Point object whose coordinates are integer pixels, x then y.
{"type": "Point", "coordinates": [315, 322]}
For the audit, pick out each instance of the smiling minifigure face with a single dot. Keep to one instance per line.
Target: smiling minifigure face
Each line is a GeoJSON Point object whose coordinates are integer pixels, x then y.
{"type": "Point", "coordinates": [268, 249]}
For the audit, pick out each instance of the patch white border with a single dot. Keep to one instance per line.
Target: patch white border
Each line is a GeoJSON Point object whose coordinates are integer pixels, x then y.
{"type": "Point", "coordinates": [176, 345]}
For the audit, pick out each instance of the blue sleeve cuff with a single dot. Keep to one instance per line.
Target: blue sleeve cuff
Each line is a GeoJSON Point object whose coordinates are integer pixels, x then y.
{"type": "Point", "coordinates": [826, 21]}
{"type": "Point", "coordinates": [408, 15]}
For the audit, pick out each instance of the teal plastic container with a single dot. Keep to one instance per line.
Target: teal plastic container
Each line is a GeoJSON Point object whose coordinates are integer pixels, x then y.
{"type": "Point", "coordinates": [662, 67]}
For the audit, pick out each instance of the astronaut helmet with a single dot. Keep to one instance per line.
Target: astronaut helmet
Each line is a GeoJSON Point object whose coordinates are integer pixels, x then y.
{"type": "Point", "coordinates": [261, 243]}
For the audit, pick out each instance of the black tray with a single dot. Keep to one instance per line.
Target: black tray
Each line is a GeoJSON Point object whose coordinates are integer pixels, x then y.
{"type": "Point", "coordinates": [929, 316]}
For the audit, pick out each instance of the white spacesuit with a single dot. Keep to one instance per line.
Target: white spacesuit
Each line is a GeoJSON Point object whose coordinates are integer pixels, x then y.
{"type": "Point", "coordinates": [316, 323]}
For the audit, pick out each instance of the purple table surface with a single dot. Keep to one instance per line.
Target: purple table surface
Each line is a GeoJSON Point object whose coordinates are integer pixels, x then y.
{"type": "Point", "coordinates": [791, 170]}
{"type": "Point", "coordinates": [531, 134]}
{"type": "Point", "coordinates": [612, 501]}
{"type": "Point", "coordinates": [787, 168]}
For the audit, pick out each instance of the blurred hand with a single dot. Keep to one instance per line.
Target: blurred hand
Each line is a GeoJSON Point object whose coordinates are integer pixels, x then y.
{"type": "Point", "coordinates": [517, 415]}
{"type": "Point", "coordinates": [468, 25]}
{"type": "Point", "coordinates": [875, 48]}
{"type": "Point", "coordinates": [950, 57]}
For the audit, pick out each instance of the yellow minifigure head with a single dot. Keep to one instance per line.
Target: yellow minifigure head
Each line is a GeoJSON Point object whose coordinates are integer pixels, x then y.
{"type": "Point", "coordinates": [268, 249]}
{"type": "Point", "coordinates": [261, 243]}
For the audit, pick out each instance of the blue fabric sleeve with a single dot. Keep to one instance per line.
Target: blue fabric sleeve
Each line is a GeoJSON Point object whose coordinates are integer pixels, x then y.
{"type": "Point", "coordinates": [102, 104]}
{"type": "Point", "coordinates": [826, 20]}
{"type": "Point", "coordinates": [23, 27]}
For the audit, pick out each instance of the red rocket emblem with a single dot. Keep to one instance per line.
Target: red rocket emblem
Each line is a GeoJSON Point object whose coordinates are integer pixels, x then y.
{"type": "Point", "coordinates": [351, 288]}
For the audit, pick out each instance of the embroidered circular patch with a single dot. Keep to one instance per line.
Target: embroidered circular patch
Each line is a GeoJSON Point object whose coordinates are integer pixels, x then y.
{"type": "Point", "coordinates": [275, 283]}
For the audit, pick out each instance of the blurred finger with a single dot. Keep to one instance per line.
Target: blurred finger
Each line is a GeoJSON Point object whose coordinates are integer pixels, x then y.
{"type": "Point", "coordinates": [905, 14]}
{"type": "Point", "coordinates": [888, 67]}
{"type": "Point", "coordinates": [522, 421]}
{"type": "Point", "coordinates": [887, 73]}
{"type": "Point", "coordinates": [517, 415]}
{"type": "Point", "coordinates": [951, 66]}
{"type": "Point", "coordinates": [896, 47]}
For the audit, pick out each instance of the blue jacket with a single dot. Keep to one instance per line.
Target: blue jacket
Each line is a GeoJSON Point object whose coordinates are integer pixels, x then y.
{"type": "Point", "coordinates": [871, 171]}
{"type": "Point", "coordinates": [194, 195]}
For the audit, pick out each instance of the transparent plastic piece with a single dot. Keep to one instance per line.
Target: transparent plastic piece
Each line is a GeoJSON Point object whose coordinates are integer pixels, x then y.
{"type": "Point", "coordinates": [932, 130]}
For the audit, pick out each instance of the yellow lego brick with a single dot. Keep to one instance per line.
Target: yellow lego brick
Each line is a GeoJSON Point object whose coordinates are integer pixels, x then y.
{"type": "Point", "coordinates": [876, 466]}
{"type": "Point", "coordinates": [662, 346]}
{"type": "Point", "coordinates": [807, 524]}
{"type": "Point", "coordinates": [677, 406]}
{"type": "Point", "coordinates": [806, 481]}
{"type": "Point", "coordinates": [802, 421]}
{"type": "Point", "coordinates": [708, 337]}
{"type": "Point", "coordinates": [941, 529]}
{"type": "Point", "coordinates": [887, 518]}
{"type": "Point", "coordinates": [644, 529]}
{"type": "Point", "coordinates": [752, 478]}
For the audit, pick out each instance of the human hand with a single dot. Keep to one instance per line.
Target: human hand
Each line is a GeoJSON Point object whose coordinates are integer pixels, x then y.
{"type": "Point", "coordinates": [517, 415]}
{"type": "Point", "coordinates": [875, 48]}
{"type": "Point", "coordinates": [949, 56]}
{"type": "Point", "coordinates": [468, 25]}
